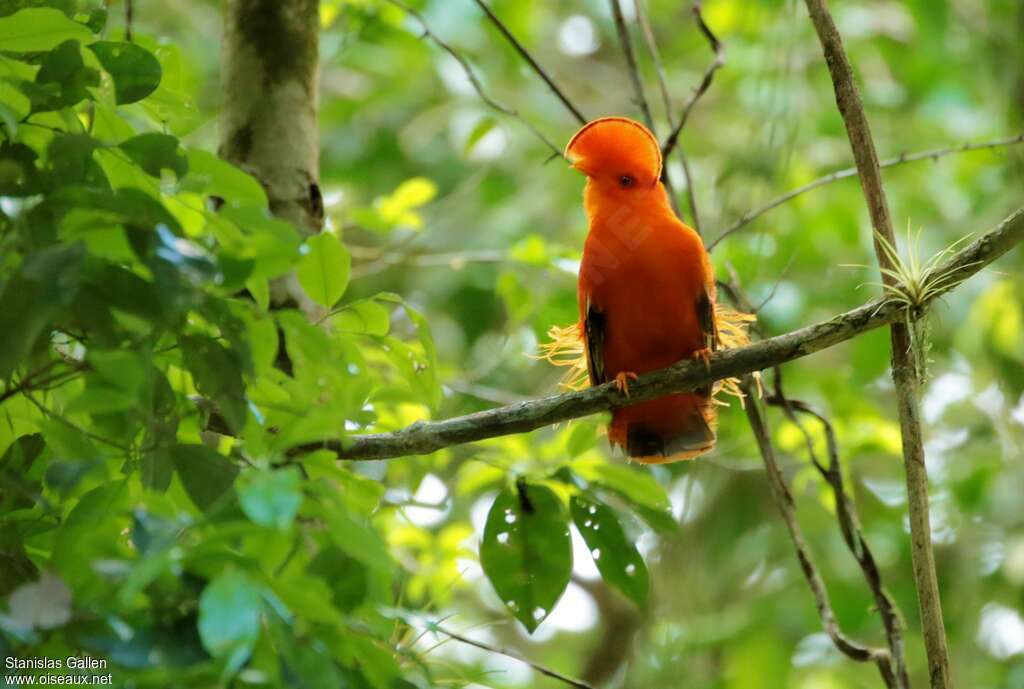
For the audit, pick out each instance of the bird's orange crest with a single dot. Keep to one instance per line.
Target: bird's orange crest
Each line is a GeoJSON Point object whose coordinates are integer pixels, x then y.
{"type": "Point", "coordinates": [615, 145]}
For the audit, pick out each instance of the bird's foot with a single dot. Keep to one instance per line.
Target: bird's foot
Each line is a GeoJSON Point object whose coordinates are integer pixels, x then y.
{"type": "Point", "coordinates": [622, 381]}
{"type": "Point", "coordinates": [704, 355]}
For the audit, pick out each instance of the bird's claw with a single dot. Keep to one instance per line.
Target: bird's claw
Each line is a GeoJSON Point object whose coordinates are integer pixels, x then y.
{"type": "Point", "coordinates": [622, 381]}
{"type": "Point", "coordinates": [704, 354]}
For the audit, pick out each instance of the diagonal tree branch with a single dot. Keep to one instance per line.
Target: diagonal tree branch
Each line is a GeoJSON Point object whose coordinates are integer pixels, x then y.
{"type": "Point", "coordinates": [904, 366]}
{"type": "Point", "coordinates": [638, 87]}
{"type": "Point", "coordinates": [705, 83]}
{"type": "Point", "coordinates": [932, 154]}
{"type": "Point", "coordinates": [424, 437]}
{"type": "Point", "coordinates": [508, 653]}
{"type": "Point", "coordinates": [534, 65]}
{"type": "Point", "coordinates": [473, 80]}
{"type": "Point", "coordinates": [784, 501]}
{"type": "Point", "coordinates": [849, 524]}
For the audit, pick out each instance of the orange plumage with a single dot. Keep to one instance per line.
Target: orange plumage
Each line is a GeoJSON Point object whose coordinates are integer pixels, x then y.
{"type": "Point", "coordinates": [646, 290]}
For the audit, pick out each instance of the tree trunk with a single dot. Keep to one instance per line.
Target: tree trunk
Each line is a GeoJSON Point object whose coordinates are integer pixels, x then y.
{"type": "Point", "coordinates": [268, 121]}
{"type": "Point", "coordinates": [269, 114]}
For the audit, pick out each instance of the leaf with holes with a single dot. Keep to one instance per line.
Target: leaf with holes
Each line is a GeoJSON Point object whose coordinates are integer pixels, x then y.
{"type": "Point", "coordinates": [526, 551]}
{"type": "Point", "coordinates": [615, 555]}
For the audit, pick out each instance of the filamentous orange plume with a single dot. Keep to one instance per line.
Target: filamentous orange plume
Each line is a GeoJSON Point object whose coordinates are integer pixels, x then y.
{"type": "Point", "coordinates": [646, 295]}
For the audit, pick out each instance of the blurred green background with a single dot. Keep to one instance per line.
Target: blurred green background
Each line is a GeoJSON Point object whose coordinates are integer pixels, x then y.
{"type": "Point", "coordinates": [461, 211]}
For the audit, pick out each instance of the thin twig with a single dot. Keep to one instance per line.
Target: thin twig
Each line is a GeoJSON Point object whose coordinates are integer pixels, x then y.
{"type": "Point", "coordinates": [784, 501]}
{"type": "Point", "coordinates": [933, 154]}
{"type": "Point", "coordinates": [652, 48]}
{"type": "Point", "coordinates": [425, 437]}
{"type": "Point", "coordinates": [904, 367]}
{"type": "Point", "coordinates": [473, 80]}
{"type": "Point", "coordinates": [634, 69]}
{"type": "Point", "coordinates": [508, 653]}
{"type": "Point", "coordinates": [849, 523]}
{"type": "Point", "coordinates": [709, 75]}
{"type": "Point", "coordinates": [525, 54]}
{"type": "Point", "coordinates": [129, 16]}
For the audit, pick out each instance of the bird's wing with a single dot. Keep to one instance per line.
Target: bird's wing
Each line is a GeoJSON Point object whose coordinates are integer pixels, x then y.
{"type": "Point", "coordinates": [706, 320]}
{"type": "Point", "coordinates": [593, 335]}
{"type": "Point", "coordinates": [708, 326]}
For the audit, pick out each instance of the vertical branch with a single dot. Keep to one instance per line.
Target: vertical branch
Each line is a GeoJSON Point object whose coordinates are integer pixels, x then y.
{"type": "Point", "coordinates": [904, 370]}
{"type": "Point", "coordinates": [129, 17]}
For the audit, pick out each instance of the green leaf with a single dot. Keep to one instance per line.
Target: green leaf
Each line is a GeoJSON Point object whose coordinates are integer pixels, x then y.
{"type": "Point", "coordinates": [229, 616]}
{"type": "Point", "coordinates": [324, 270]}
{"type": "Point", "coordinates": [206, 474]}
{"type": "Point", "coordinates": [582, 437]}
{"type": "Point", "coordinates": [157, 467]}
{"type": "Point", "coordinates": [635, 485]}
{"type": "Point", "coordinates": [479, 131]}
{"type": "Point", "coordinates": [365, 316]}
{"type": "Point", "coordinates": [71, 162]}
{"type": "Point", "coordinates": [156, 152]}
{"type": "Point", "coordinates": [62, 79]}
{"type": "Point", "coordinates": [272, 498]}
{"type": "Point", "coordinates": [39, 28]}
{"type": "Point", "coordinates": [217, 177]}
{"type": "Point", "coordinates": [356, 537]}
{"type": "Point", "coordinates": [615, 555]}
{"type": "Point", "coordinates": [526, 551]}
{"type": "Point", "coordinates": [47, 281]}
{"type": "Point", "coordinates": [135, 70]}
{"type": "Point", "coordinates": [345, 575]}
{"type": "Point", "coordinates": [399, 208]}
{"type": "Point", "coordinates": [217, 372]}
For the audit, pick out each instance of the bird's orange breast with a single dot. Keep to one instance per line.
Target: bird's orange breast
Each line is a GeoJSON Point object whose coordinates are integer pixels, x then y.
{"type": "Point", "coordinates": [646, 279]}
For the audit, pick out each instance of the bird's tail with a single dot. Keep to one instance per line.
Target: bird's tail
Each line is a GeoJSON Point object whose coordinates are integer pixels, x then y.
{"type": "Point", "coordinates": [668, 429]}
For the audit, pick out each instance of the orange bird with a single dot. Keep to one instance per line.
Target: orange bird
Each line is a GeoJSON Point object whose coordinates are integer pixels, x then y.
{"type": "Point", "coordinates": [646, 290]}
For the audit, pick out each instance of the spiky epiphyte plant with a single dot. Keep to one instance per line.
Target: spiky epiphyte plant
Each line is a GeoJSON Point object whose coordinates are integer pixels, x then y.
{"type": "Point", "coordinates": [914, 285]}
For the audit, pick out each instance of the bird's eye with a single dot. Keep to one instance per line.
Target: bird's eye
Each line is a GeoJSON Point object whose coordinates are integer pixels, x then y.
{"type": "Point", "coordinates": [625, 181]}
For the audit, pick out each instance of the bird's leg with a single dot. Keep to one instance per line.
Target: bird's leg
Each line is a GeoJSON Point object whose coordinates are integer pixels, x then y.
{"type": "Point", "coordinates": [622, 381]}
{"type": "Point", "coordinates": [704, 354]}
